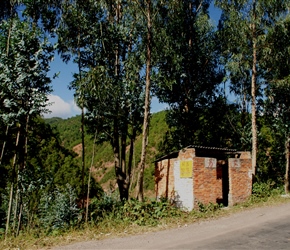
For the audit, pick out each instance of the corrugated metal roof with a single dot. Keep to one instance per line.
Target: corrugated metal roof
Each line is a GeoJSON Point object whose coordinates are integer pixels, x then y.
{"type": "Point", "coordinates": [168, 156]}
{"type": "Point", "coordinates": [212, 148]}
{"type": "Point", "coordinates": [172, 154]}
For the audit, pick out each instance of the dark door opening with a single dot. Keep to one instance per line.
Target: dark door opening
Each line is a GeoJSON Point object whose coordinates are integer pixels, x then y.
{"type": "Point", "coordinates": [225, 183]}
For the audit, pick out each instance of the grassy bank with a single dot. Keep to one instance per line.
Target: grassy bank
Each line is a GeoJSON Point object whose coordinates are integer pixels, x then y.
{"type": "Point", "coordinates": [136, 218]}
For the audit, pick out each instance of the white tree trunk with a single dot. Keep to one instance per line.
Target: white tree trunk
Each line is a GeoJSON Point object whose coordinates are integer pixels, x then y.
{"type": "Point", "coordinates": [140, 193]}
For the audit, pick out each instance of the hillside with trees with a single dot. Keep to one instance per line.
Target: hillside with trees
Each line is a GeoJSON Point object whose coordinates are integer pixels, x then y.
{"type": "Point", "coordinates": [102, 164]}
{"type": "Point", "coordinates": [225, 86]}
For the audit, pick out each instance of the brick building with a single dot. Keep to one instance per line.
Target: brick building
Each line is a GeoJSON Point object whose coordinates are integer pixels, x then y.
{"type": "Point", "coordinates": [203, 174]}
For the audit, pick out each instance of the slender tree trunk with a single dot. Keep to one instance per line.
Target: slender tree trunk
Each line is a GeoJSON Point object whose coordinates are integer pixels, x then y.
{"type": "Point", "coordinates": [4, 144]}
{"type": "Point", "coordinates": [244, 112]}
{"type": "Point", "coordinates": [123, 148]}
{"type": "Point", "coordinates": [130, 160]}
{"type": "Point", "coordinates": [120, 156]}
{"type": "Point", "coordinates": [19, 219]}
{"type": "Point", "coordinates": [133, 172]}
{"type": "Point", "coordinates": [123, 183]}
{"type": "Point", "coordinates": [83, 155]}
{"type": "Point", "coordinates": [140, 192]}
{"type": "Point", "coordinates": [82, 118]}
{"type": "Point", "coordinates": [116, 149]}
{"type": "Point", "coordinates": [287, 147]}
{"type": "Point", "coordinates": [18, 200]}
{"type": "Point", "coordinates": [253, 94]}
{"type": "Point", "coordinates": [12, 184]}
{"type": "Point", "coordinates": [89, 180]}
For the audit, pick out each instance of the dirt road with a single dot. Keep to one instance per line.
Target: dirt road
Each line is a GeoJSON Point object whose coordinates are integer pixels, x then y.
{"type": "Point", "coordinates": [259, 228]}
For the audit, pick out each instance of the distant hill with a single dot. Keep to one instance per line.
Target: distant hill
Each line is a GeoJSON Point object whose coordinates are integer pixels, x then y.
{"type": "Point", "coordinates": [103, 165]}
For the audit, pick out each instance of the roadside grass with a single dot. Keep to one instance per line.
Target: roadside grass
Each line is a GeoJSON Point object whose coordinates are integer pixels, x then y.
{"type": "Point", "coordinates": [136, 218]}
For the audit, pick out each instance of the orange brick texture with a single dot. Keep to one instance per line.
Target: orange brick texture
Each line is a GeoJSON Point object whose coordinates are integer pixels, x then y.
{"type": "Point", "coordinates": [164, 178]}
{"type": "Point", "coordinates": [240, 180]}
{"type": "Point", "coordinates": [207, 187]}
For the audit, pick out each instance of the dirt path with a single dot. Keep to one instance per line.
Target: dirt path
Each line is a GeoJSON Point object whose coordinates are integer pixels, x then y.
{"type": "Point", "coordinates": [259, 228]}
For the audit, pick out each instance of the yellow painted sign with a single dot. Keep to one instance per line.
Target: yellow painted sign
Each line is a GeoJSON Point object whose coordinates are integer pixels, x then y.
{"type": "Point", "coordinates": [186, 169]}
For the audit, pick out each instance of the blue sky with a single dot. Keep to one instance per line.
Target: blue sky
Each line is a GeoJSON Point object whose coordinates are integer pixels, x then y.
{"type": "Point", "coordinates": [61, 99]}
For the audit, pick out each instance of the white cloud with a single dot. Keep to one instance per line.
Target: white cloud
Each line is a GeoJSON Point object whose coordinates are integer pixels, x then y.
{"type": "Point", "coordinates": [66, 109]}
{"type": "Point", "coordinates": [61, 108]}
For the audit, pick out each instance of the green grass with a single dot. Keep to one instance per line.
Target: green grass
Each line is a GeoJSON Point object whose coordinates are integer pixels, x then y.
{"type": "Point", "coordinates": [109, 175]}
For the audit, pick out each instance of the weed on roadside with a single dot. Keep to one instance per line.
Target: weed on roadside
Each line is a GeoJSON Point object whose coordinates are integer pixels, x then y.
{"type": "Point", "coordinates": [110, 218]}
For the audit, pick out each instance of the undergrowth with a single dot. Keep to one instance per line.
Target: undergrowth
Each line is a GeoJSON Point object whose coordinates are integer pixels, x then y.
{"type": "Point", "coordinates": [109, 217]}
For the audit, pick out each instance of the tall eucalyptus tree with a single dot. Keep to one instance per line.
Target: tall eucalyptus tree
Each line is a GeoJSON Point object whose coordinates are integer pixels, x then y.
{"type": "Point", "coordinates": [72, 44]}
{"type": "Point", "coordinates": [147, 10]}
{"type": "Point", "coordinates": [41, 14]}
{"type": "Point", "coordinates": [118, 82]}
{"type": "Point", "coordinates": [23, 73]}
{"type": "Point", "coordinates": [244, 28]}
{"type": "Point", "coordinates": [276, 64]}
{"type": "Point", "coordinates": [109, 85]}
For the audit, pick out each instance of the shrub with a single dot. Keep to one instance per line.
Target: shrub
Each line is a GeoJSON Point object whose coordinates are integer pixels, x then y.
{"type": "Point", "coordinates": [263, 190]}
{"type": "Point", "coordinates": [107, 205]}
{"type": "Point", "coordinates": [211, 207]}
{"type": "Point", "coordinates": [58, 210]}
{"type": "Point", "coordinates": [148, 212]}
{"type": "Point", "coordinates": [140, 213]}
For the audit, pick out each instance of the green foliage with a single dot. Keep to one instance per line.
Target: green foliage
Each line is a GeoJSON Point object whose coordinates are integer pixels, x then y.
{"type": "Point", "coordinates": [51, 175]}
{"type": "Point", "coordinates": [49, 161]}
{"type": "Point", "coordinates": [2, 217]}
{"type": "Point", "coordinates": [69, 134]}
{"type": "Point", "coordinates": [23, 70]}
{"type": "Point", "coordinates": [148, 212]}
{"type": "Point", "coordinates": [105, 206]}
{"type": "Point", "coordinates": [273, 134]}
{"type": "Point", "coordinates": [277, 53]}
{"type": "Point", "coordinates": [107, 84]}
{"type": "Point", "coordinates": [131, 211]}
{"type": "Point", "coordinates": [68, 129]}
{"type": "Point", "coordinates": [188, 76]}
{"type": "Point", "coordinates": [58, 209]}
{"type": "Point", "coordinates": [264, 190]}
{"type": "Point", "coordinates": [208, 208]}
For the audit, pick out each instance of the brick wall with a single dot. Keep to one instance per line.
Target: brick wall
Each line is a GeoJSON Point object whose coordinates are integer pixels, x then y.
{"type": "Point", "coordinates": [206, 184]}
{"type": "Point", "coordinates": [208, 179]}
{"type": "Point", "coordinates": [186, 154]}
{"type": "Point", "coordinates": [164, 178]}
{"type": "Point", "coordinates": [240, 179]}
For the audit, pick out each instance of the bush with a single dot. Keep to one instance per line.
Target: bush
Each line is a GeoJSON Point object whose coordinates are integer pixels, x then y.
{"type": "Point", "coordinates": [105, 206]}
{"type": "Point", "coordinates": [209, 208]}
{"type": "Point", "coordinates": [148, 212]}
{"type": "Point", "coordinates": [140, 213]}
{"type": "Point", "coordinates": [58, 210]}
{"type": "Point", "coordinates": [263, 190]}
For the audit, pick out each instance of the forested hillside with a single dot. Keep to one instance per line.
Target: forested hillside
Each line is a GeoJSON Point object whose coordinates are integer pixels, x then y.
{"type": "Point", "coordinates": [103, 162]}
